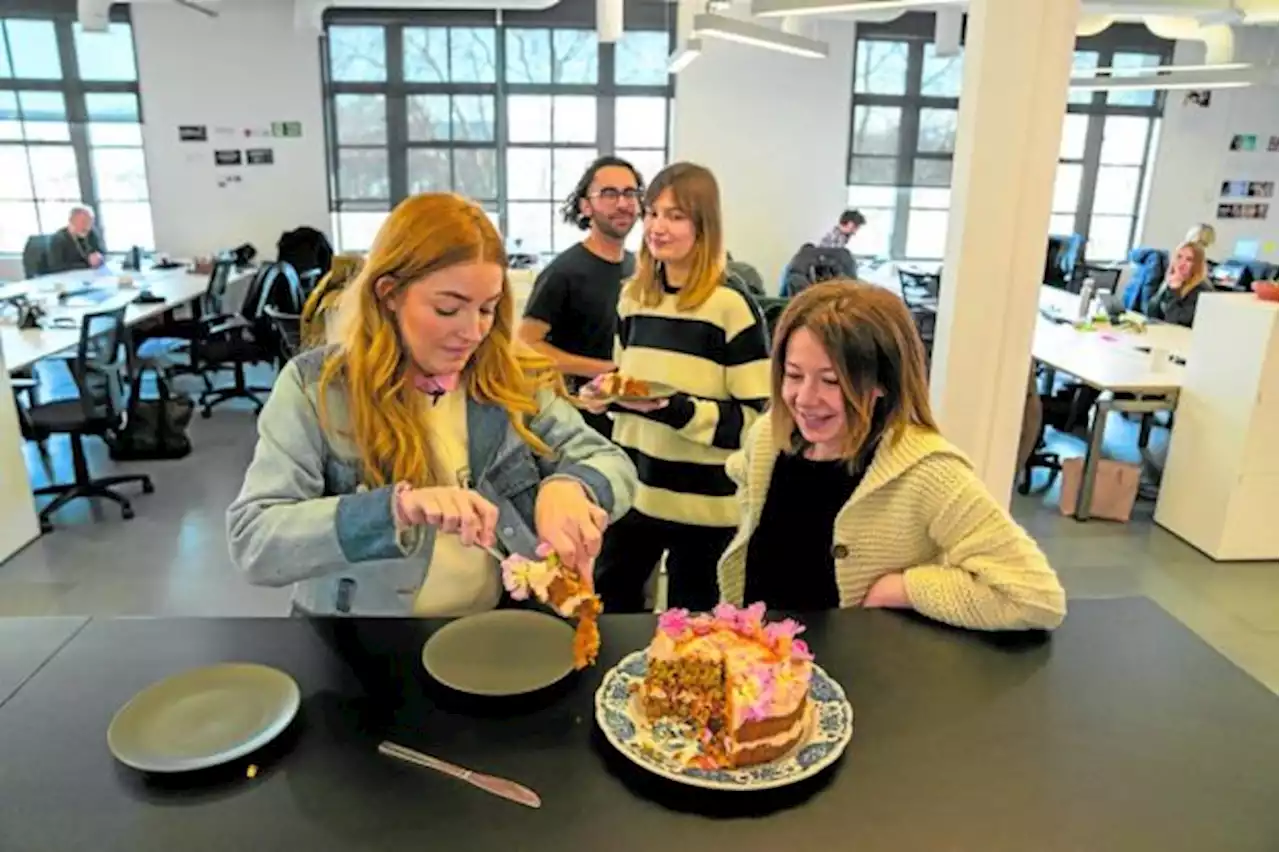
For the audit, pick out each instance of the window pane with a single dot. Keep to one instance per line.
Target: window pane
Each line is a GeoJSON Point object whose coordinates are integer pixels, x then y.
{"type": "Point", "coordinates": [529, 173]}
{"type": "Point", "coordinates": [6, 70]}
{"type": "Point", "coordinates": [1074, 127]}
{"type": "Point", "coordinates": [529, 227]}
{"type": "Point", "coordinates": [361, 119]}
{"type": "Point", "coordinates": [882, 170]}
{"type": "Point", "coordinates": [126, 224]}
{"type": "Point", "coordinates": [355, 230]}
{"type": "Point", "coordinates": [564, 235]}
{"type": "Point", "coordinates": [569, 165]}
{"type": "Point", "coordinates": [33, 49]}
{"type": "Point", "coordinates": [647, 163]}
{"type": "Point", "coordinates": [875, 129]}
{"type": "Point", "coordinates": [476, 173]}
{"type": "Point", "coordinates": [358, 54]}
{"type": "Point", "coordinates": [529, 118]}
{"type": "Point", "coordinates": [574, 118]}
{"type": "Point", "coordinates": [473, 118]}
{"type": "Point", "coordinates": [872, 196]}
{"type": "Point", "coordinates": [54, 169]}
{"type": "Point", "coordinates": [1083, 60]}
{"type": "Point", "coordinates": [1109, 237]}
{"type": "Point", "coordinates": [428, 117]}
{"type": "Point", "coordinates": [115, 134]}
{"type": "Point", "coordinates": [473, 55]}
{"type": "Point", "coordinates": [1066, 187]}
{"type": "Point", "coordinates": [426, 54]}
{"type": "Point", "coordinates": [1117, 190]}
{"type": "Point", "coordinates": [429, 170]}
{"type": "Point", "coordinates": [938, 130]}
{"type": "Point", "coordinates": [640, 123]}
{"type": "Point", "coordinates": [10, 126]}
{"type": "Point", "coordinates": [106, 55]}
{"type": "Point", "coordinates": [44, 116]}
{"type": "Point", "coordinates": [17, 222]}
{"type": "Point", "coordinates": [941, 76]}
{"type": "Point", "coordinates": [15, 179]}
{"type": "Point", "coordinates": [930, 198]}
{"type": "Point", "coordinates": [640, 59]}
{"type": "Point", "coordinates": [1062, 223]}
{"type": "Point", "coordinates": [112, 107]}
{"type": "Point", "coordinates": [876, 236]}
{"type": "Point", "coordinates": [932, 173]}
{"type": "Point", "coordinates": [576, 56]}
{"type": "Point", "coordinates": [362, 173]}
{"type": "Point", "coordinates": [926, 234]}
{"type": "Point", "coordinates": [1126, 65]}
{"type": "Point", "coordinates": [1124, 140]}
{"type": "Point", "coordinates": [120, 173]}
{"type": "Point", "coordinates": [53, 214]}
{"type": "Point", "coordinates": [528, 56]}
{"type": "Point", "coordinates": [881, 67]}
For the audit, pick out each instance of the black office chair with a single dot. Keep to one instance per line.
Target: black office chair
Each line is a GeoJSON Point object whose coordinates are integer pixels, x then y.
{"type": "Point", "coordinates": [189, 334]}
{"type": "Point", "coordinates": [772, 307]}
{"type": "Point", "coordinates": [1104, 277]}
{"type": "Point", "coordinates": [101, 370]}
{"type": "Point", "coordinates": [288, 333]}
{"type": "Point", "coordinates": [920, 293]}
{"type": "Point", "coordinates": [250, 336]}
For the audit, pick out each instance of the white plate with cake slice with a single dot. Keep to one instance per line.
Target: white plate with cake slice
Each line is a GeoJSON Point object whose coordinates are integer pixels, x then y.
{"type": "Point", "coordinates": [760, 739]}
{"type": "Point", "coordinates": [615, 387]}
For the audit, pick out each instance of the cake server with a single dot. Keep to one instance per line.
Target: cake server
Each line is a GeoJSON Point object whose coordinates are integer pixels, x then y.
{"type": "Point", "coordinates": [497, 786]}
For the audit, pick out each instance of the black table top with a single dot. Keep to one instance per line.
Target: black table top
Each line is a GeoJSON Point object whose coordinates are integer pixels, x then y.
{"type": "Point", "coordinates": [1121, 731]}
{"type": "Point", "coordinates": [26, 643]}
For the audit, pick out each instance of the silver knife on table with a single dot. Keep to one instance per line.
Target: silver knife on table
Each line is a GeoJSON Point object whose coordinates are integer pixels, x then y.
{"type": "Point", "coordinates": [490, 784]}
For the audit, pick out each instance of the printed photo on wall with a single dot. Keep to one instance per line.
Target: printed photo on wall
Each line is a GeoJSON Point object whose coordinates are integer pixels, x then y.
{"type": "Point", "coordinates": [1273, 144]}
{"type": "Point", "coordinates": [1262, 189]}
{"type": "Point", "coordinates": [1229, 211]}
{"type": "Point", "coordinates": [1234, 187]}
{"type": "Point", "coordinates": [1197, 97]}
{"type": "Point", "coordinates": [226, 158]}
{"type": "Point", "coordinates": [1244, 142]}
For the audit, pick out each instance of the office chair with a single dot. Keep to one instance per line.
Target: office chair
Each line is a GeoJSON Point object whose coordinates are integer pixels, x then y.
{"type": "Point", "coordinates": [1104, 277]}
{"type": "Point", "coordinates": [920, 293]}
{"type": "Point", "coordinates": [288, 333]}
{"type": "Point", "coordinates": [100, 369]}
{"type": "Point", "coordinates": [189, 334]}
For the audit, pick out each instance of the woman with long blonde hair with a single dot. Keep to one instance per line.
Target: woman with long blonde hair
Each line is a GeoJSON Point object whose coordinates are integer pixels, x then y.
{"type": "Point", "coordinates": [1186, 279]}
{"type": "Point", "coordinates": [683, 324]}
{"type": "Point", "coordinates": [851, 497]}
{"type": "Point", "coordinates": [392, 466]}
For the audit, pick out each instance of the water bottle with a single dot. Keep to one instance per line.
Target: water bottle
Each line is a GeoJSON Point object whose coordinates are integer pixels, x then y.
{"type": "Point", "coordinates": [1086, 300]}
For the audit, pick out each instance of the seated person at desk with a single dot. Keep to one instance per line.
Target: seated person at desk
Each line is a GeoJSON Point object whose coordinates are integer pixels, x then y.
{"type": "Point", "coordinates": [852, 498]}
{"type": "Point", "coordinates": [78, 245]}
{"type": "Point", "coordinates": [1175, 301]}
{"type": "Point", "coordinates": [392, 467]}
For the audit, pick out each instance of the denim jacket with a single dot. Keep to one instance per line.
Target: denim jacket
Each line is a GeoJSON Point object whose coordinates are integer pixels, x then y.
{"type": "Point", "coordinates": [303, 518]}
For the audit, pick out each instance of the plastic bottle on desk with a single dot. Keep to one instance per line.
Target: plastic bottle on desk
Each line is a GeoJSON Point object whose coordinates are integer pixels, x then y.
{"type": "Point", "coordinates": [1086, 300]}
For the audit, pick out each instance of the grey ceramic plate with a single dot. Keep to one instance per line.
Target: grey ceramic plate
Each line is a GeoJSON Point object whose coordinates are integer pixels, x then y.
{"type": "Point", "coordinates": [503, 652]}
{"type": "Point", "coordinates": [203, 717]}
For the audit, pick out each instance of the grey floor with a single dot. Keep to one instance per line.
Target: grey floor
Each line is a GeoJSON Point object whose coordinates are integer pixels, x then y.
{"type": "Point", "coordinates": [172, 558]}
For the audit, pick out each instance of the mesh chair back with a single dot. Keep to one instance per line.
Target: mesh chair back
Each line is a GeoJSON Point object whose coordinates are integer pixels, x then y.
{"type": "Point", "coordinates": [287, 330]}
{"type": "Point", "coordinates": [101, 362]}
{"type": "Point", "coordinates": [919, 289]}
{"type": "Point", "coordinates": [215, 295]}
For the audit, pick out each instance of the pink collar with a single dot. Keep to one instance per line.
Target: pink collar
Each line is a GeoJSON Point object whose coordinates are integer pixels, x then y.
{"type": "Point", "coordinates": [436, 386]}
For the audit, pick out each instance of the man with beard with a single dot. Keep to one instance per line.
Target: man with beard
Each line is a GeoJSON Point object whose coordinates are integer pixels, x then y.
{"type": "Point", "coordinates": [572, 313]}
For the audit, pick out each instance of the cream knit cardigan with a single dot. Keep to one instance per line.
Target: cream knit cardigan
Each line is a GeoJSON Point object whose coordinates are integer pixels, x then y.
{"type": "Point", "coordinates": [920, 511]}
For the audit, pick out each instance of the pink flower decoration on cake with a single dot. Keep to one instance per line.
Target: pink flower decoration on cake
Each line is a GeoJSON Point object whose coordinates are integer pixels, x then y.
{"type": "Point", "coordinates": [674, 622]}
{"type": "Point", "coordinates": [726, 613]}
{"type": "Point", "coordinates": [781, 634]}
{"type": "Point", "coordinates": [515, 576]}
{"type": "Point", "coordinates": [757, 693]}
{"type": "Point", "coordinates": [800, 651]}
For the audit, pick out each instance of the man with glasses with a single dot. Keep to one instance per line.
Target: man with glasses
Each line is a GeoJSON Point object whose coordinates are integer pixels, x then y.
{"type": "Point", "coordinates": [573, 310]}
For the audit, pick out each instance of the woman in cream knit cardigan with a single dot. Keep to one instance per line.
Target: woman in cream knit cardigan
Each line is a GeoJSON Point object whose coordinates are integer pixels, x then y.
{"type": "Point", "coordinates": [850, 497]}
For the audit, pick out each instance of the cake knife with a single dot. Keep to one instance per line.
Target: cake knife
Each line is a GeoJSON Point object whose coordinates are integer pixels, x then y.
{"type": "Point", "coordinates": [497, 786]}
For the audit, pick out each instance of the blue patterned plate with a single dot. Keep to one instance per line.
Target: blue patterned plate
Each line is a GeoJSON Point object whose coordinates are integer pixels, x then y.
{"type": "Point", "coordinates": [666, 751]}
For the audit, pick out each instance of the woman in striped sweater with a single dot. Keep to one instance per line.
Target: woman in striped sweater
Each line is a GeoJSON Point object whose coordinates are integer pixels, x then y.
{"type": "Point", "coordinates": [683, 324]}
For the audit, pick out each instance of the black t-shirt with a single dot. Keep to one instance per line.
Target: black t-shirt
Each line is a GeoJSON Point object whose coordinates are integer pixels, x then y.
{"type": "Point", "coordinates": [577, 295]}
{"type": "Point", "coordinates": [789, 561]}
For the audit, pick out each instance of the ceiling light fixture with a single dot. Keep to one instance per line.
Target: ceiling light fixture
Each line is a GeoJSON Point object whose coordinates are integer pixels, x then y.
{"type": "Point", "coordinates": [756, 35]}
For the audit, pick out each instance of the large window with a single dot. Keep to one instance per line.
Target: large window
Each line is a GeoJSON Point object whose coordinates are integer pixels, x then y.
{"type": "Point", "coordinates": [508, 114]}
{"type": "Point", "coordinates": [70, 131]}
{"type": "Point", "coordinates": [903, 133]}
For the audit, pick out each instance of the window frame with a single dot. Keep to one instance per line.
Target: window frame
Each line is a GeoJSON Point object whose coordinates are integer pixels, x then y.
{"type": "Point", "coordinates": [916, 30]}
{"type": "Point", "coordinates": [74, 89]}
{"type": "Point", "coordinates": [568, 15]}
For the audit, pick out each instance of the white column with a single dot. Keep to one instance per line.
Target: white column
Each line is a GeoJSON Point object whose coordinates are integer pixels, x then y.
{"type": "Point", "coordinates": [1017, 62]}
{"type": "Point", "coordinates": [18, 523]}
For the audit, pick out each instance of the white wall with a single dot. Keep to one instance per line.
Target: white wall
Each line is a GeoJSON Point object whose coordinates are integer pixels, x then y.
{"type": "Point", "coordinates": [245, 69]}
{"type": "Point", "coordinates": [775, 130]}
{"type": "Point", "coordinates": [1194, 156]}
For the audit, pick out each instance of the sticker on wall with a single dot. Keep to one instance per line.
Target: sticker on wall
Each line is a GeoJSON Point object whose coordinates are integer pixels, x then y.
{"type": "Point", "coordinates": [259, 156]}
{"type": "Point", "coordinates": [193, 133]}
{"type": "Point", "coordinates": [228, 180]}
{"type": "Point", "coordinates": [1197, 97]}
{"type": "Point", "coordinates": [1262, 189]}
{"type": "Point", "coordinates": [287, 129]}
{"type": "Point", "coordinates": [1243, 211]}
{"type": "Point", "coordinates": [1244, 142]}
{"type": "Point", "coordinates": [224, 131]}
{"type": "Point", "coordinates": [263, 132]}
{"type": "Point", "coordinates": [1273, 144]}
{"type": "Point", "coordinates": [227, 158]}
{"type": "Point", "coordinates": [1234, 187]}
{"type": "Point", "coordinates": [1269, 247]}
{"type": "Point", "coordinates": [1246, 249]}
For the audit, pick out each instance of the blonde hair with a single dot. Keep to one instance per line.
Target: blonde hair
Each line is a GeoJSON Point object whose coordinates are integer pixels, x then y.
{"type": "Point", "coordinates": [327, 292]}
{"type": "Point", "coordinates": [698, 195]}
{"type": "Point", "coordinates": [1199, 268]}
{"type": "Point", "coordinates": [423, 235]}
{"type": "Point", "coordinates": [877, 356]}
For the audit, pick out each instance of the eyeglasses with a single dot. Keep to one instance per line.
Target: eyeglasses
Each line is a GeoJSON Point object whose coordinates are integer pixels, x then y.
{"type": "Point", "coordinates": [611, 195]}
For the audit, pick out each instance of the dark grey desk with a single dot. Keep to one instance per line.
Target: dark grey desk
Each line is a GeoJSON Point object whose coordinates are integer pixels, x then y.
{"type": "Point", "coordinates": [1122, 732]}
{"type": "Point", "coordinates": [27, 643]}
